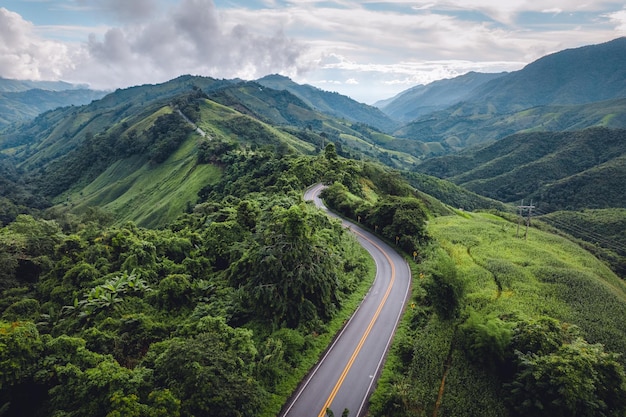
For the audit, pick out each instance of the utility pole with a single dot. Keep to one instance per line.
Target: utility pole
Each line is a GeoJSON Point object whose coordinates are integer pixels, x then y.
{"type": "Point", "coordinates": [528, 210]}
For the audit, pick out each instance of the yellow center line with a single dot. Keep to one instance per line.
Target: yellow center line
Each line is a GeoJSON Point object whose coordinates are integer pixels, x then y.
{"type": "Point", "coordinates": [343, 375]}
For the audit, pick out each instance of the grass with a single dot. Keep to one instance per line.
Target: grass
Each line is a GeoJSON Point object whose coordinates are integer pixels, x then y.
{"type": "Point", "coordinates": [543, 274]}
{"type": "Point", "coordinates": [505, 276]}
{"type": "Point", "coordinates": [150, 195]}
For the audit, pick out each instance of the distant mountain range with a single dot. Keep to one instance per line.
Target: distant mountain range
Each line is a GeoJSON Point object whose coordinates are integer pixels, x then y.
{"type": "Point", "coordinates": [24, 100]}
{"type": "Point", "coordinates": [570, 90]}
{"type": "Point", "coordinates": [438, 95]}
{"type": "Point", "coordinates": [334, 104]}
{"type": "Point", "coordinates": [570, 77]}
{"type": "Point", "coordinates": [15, 86]}
{"type": "Point", "coordinates": [567, 90]}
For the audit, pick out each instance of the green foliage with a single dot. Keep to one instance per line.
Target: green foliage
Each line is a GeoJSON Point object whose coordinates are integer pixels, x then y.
{"type": "Point", "coordinates": [601, 231]}
{"type": "Point", "coordinates": [166, 135]}
{"type": "Point", "coordinates": [526, 341]}
{"type": "Point", "coordinates": [563, 170]}
{"type": "Point", "coordinates": [290, 275]}
{"type": "Point", "coordinates": [486, 340]}
{"type": "Point", "coordinates": [211, 371]}
{"type": "Point", "coordinates": [20, 347]}
{"type": "Point", "coordinates": [577, 379]}
{"type": "Point", "coordinates": [444, 287]}
{"type": "Point", "coordinates": [396, 214]}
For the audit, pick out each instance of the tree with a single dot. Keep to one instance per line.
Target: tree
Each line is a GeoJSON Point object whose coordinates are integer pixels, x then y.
{"type": "Point", "coordinates": [486, 339]}
{"type": "Point", "coordinates": [211, 370]}
{"type": "Point", "coordinates": [578, 379]}
{"type": "Point", "coordinates": [444, 288]}
{"type": "Point", "coordinates": [20, 349]}
{"type": "Point", "coordinates": [289, 274]}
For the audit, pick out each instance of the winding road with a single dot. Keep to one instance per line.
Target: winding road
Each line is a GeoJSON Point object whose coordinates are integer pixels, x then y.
{"type": "Point", "coordinates": [345, 376]}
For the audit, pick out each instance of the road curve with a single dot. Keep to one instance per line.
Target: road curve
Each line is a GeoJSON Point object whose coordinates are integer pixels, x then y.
{"type": "Point", "coordinates": [345, 376]}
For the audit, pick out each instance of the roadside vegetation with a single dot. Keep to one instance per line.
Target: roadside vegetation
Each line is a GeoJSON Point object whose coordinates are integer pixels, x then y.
{"type": "Point", "coordinates": [504, 326]}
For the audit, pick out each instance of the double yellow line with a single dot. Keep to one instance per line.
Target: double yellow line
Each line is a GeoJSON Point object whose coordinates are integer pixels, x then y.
{"type": "Point", "coordinates": [343, 375]}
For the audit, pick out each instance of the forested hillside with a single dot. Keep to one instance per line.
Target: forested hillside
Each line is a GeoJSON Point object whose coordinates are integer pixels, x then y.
{"type": "Point", "coordinates": [334, 104]}
{"type": "Point", "coordinates": [248, 288]}
{"type": "Point", "coordinates": [559, 170]}
{"type": "Point", "coordinates": [507, 326]}
{"type": "Point", "coordinates": [24, 100]}
{"type": "Point", "coordinates": [557, 92]}
{"type": "Point", "coordinates": [424, 99]}
{"type": "Point", "coordinates": [110, 153]}
{"type": "Point", "coordinates": [460, 127]}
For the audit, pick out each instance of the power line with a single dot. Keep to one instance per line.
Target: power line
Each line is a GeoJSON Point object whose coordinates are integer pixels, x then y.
{"type": "Point", "coordinates": [583, 233]}
{"type": "Point", "coordinates": [528, 209]}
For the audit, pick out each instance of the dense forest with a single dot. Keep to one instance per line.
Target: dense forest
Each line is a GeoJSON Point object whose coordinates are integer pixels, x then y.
{"type": "Point", "coordinates": [101, 318]}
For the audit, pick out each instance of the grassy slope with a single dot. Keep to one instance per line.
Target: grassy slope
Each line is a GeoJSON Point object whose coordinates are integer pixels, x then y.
{"type": "Point", "coordinates": [150, 195]}
{"type": "Point", "coordinates": [542, 275]}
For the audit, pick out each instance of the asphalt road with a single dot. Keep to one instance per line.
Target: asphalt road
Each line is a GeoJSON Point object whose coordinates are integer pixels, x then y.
{"type": "Point", "coordinates": [345, 376]}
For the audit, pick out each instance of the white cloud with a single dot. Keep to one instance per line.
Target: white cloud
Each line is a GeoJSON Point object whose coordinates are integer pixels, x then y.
{"type": "Point", "coordinates": [619, 20]}
{"type": "Point", "coordinates": [24, 55]}
{"type": "Point", "coordinates": [189, 38]}
{"type": "Point", "coordinates": [366, 48]}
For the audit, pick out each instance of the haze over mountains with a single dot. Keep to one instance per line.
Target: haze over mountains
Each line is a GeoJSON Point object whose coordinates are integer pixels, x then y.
{"type": "Point", "coordinates": [23, 100]}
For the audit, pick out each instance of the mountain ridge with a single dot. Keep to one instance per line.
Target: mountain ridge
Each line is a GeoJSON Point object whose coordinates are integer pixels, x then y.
{"type": "Point", "coordinates": [423, 99]}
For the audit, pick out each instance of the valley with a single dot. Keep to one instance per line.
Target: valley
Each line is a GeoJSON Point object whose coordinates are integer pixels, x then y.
{"type": "Point", "coordinates": [158, 235]}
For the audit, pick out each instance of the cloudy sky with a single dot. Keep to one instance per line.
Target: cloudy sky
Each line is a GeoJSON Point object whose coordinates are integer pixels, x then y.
{"type": "Point", "coordinates": [369, 50]}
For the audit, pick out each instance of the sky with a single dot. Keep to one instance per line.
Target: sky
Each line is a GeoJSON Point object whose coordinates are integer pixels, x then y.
{"type": "Point", "coordinates": [369, 50]}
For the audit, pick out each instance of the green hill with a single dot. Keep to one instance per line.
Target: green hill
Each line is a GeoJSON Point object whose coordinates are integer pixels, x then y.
{"type": "Point", "coordinates": [25, 105]}
{"type": "Point", "coordinates": [558, 170]}
{"type": "Point", "coordinates": [438, 95]}
{"type": "Point", "coordinates": [568, 90]}
{"type": "Point", "coordinates": [573, 76]}
{"type": "Point", "coordinates": [125, 152]}
{"type": "Point", "coordinates": [334, 104]}
{"type": "Point", "coordinates": [239, 282]}
{"type": "Point", "coordinates": [463, 126]}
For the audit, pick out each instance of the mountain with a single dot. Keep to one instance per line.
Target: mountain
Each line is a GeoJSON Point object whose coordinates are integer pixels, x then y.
{"type": "Point", "coordinates": [457, 128]}
{"type": "Point", "coordinates": [23, 100]}
{"type": "Point", "coordinates": [9, 85]}
{"type": "Point", "coordinates": [571, 89]}
{"type": "Point", "coordinates": [424, 99]}
{"type": "Point", "coordinates": [573, 76]}
{"type": "Point", "coordinates": [331, 103]}
{"type": "Point", "coordinates": [134, 154]}
{"type": "Point", "coordinates": [104, 317]}
{"type": "Point", "coordinates": [25, 105]}
{"type": "Point", "coordinates": [557, 170]}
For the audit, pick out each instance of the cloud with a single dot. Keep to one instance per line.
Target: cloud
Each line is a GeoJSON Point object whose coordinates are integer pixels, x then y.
{"type": "Point", "coordinates": [378, 45]}
{"type": "Point", "coordinates": [122, 10]}
{"type": "Point", "coordinates": [24, 55]}
{"type": "Point", "coordinates": [619, 20]}
{"type": "Point", "coordinates": [189, 38]}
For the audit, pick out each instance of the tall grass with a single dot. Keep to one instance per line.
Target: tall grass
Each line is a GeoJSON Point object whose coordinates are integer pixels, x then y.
{"type": "Point", "coordinates": [505, 276]}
